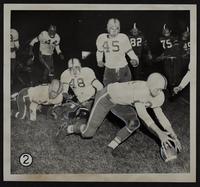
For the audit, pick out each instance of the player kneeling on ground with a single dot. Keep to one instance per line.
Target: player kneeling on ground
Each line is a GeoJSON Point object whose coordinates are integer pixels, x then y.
{"type": "Point", "coordinates": [139, 94]}
{"type": "Point", "coordinates": [28, 99]}
{"type": "Point", "coordinates": [82, 81]}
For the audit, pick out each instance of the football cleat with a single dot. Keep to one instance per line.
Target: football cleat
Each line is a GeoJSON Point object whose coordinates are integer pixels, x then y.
{"type": "Point", "coordinates": [168, 153]}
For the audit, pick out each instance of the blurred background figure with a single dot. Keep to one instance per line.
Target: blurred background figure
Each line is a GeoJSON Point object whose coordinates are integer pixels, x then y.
{"type": "Point", "coordinates": [140, 47]}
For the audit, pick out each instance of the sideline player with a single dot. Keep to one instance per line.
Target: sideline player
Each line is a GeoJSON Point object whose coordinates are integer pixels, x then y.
{"type": "Point", "coordinates": [82, 81]}
{"type": "Point", "coordinates": [14, 46]}
{"type": "Point", "coordinates": [138, 94]}
{"type": "Point", "coordinates": [141, 49]}
{"type": "Point", "coordinates": [184, 82]}
{"type": "Point", "coordinates": [114, 46]}
{"type": "Point", "coordinates": [49, 40]}
{"type": "Point", "coordinates": [28, 99]}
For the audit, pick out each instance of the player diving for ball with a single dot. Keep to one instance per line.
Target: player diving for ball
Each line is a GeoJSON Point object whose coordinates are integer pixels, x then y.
{"type": "Point", "coordinates": [29, 99]}
{"type": "Point", "coordinates": [138, 94]}
{"type": "Point", "coordinates": [82, 81]}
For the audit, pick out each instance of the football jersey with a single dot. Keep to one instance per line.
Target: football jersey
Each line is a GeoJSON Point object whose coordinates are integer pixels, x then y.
{"type": "Point", "coordinates": [80, 84]}
{"type": "Point", "coordinates": [14, 42]}
{"type": "Point", "coordinates": [48, 44]}
{"type": "Point", "coordinates": [114, 49]}
{"type": "Point", "coordinates": [185, 46]}
{"type": "Point", "coordinates": [167, 43]}
{"type": "Point", "coordinates": [131, 92]}
{"type": "Point", "coordinates": [137, 43]}
{"type": "Point", "coordinates": [40, 95]}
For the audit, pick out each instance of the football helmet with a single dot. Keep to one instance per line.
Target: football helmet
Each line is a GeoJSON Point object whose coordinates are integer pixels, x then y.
{"type": "Point", "coordinates": [52, 31]}
{"type": "Point", "coordinates": [113, 27]}
{"type": "Point", "coordinates": [134, 30]}
{"type": "Point", "coordinates": [186, 34]}
{"type": "Point", "coordinates": [156, 83]}
{"type": "Point", "coordinates": [74, 66]}
{"type": "Point", "coordinates": [166, 31]}
{"type": "Point", "coordinates": [55, 88]}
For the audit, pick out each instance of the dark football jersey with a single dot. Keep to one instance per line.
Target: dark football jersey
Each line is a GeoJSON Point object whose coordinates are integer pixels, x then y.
{"type": "Point", "coordinates": [138, 43]}
{"type": "Point", "coordinates": [185, 47]}
{"type": "Point", "coordinates": [167, 44]}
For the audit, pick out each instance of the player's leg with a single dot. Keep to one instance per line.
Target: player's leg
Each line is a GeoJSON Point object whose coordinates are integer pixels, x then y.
{"type": "Point", "coordinates": [21, 104]}
{"type": "Point", "coordinates": [43, 59]}
{"type": "Point", "coordinates": [51, 65]}
{"type": "Point", "coordinates": [125, 74]}
{"type": "Point", "coordinates": [129, 116]}
{"type": "Point", "coordinates": [101, 107]}
{"type": "Point", "coordinates": [110, 76]}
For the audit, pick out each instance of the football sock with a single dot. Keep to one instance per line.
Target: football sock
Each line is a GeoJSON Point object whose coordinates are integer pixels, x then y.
{"type": "Point", "coordinates": [114, 143]}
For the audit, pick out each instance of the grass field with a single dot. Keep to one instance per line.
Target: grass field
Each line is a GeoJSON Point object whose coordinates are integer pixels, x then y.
{"type": "Point", "coordinates": [139, 154]}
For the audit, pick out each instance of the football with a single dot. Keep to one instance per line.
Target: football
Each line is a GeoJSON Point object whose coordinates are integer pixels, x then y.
{"type": "Point", "coordinates": [168, 154]}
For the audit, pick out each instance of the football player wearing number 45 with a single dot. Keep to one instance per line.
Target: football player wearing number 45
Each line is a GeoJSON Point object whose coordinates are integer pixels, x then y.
{"type": "Point", "coordinates": [49, 40]}
{"type": "Point", "coordinates": [114, 46]}
{"type": "Point", "coordinates": [82, 81]}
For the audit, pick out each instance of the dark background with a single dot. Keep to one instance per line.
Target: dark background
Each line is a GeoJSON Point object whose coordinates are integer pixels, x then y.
{"type": "Point", "coordinates": [24, 184]}
{"type": "Point", "coordinates": [79, 30]}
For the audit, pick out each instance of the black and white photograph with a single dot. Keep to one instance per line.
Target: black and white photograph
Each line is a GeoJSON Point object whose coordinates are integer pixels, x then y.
{"type": "Point", "coordinates": [100, 92]}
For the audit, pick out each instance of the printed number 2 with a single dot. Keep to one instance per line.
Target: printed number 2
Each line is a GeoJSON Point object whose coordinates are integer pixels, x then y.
{"type": "Point", "coordinates": [80, 83]}
{"type": "Point", "coordinates": [166, 43]}
{"type": "Point", "coordinates": [114, 46]}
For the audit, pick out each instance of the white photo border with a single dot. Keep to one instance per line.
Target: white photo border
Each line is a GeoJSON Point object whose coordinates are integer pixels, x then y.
{"type": "Point", "coordinates": [145, 177]}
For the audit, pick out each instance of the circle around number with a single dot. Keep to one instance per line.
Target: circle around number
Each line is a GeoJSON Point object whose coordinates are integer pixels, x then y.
{"type": "Point", "coordinates": [26, 159]}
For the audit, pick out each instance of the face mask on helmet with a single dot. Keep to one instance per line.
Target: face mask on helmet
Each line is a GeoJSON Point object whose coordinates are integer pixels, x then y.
{"type": "Point", "coordinates": [156, 83]}
{"type": "Point", "coordinates": [186, 34]}
{"type": "Point", "coordinates": [113, 27]}
{"type": "Point", "coordinates": [55, 88]}
{"type": "Point", "coordinates": [166, 32]}
{"type": "Point", "coordinates": [134, 30]}
{"type": "Point", "coordinates": [52, 31]}
{"type": "Point", "coordinates": [74, 66]}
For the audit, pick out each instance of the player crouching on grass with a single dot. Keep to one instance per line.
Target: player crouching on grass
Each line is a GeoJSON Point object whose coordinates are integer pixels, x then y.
{"type": "Point", "coordinates": [139, 94]}
{"type": "Point", "coordinates": [28, 99]}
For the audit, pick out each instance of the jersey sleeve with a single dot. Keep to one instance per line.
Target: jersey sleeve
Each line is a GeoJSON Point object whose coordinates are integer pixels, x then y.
{"type": "Point", "coordinates": [15, 35]}
{"type": "Point", "coordinates": [99, 42]}
{"type": "Point", "coordinates": [126, 45]}
{"type": "Point", "coordinates": [65, 79]}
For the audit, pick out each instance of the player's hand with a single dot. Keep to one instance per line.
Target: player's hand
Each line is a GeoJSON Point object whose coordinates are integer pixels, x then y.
{"type": "Point", "coordinates": [177, 144]}
{"type": "Point", "coordinates": [100, 64]}
{"type": "Point", "coordinates": [134, 62]}
{"type": "Point", "coordinates": [61, 56]}
{"type": "Point", "coordinates": [177, 89]}
{"type": "Point", "coordinates": [165, 139]}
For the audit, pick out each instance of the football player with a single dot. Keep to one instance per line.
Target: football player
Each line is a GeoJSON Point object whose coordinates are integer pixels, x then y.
{"type": "Point", "coordinates": [114, 46]}
{"type": "Point", "coordinates": [184, 82]}
{"type": "Point", "coordinates": [185, 47]}
{"type": "Point", "coordinates": [140, 47]}
{"type": "Point", "coordinates": [171, 59]}
{"type": "Point", "coordinates": [29, 99]}
{"type": "Point", "coordinates": [81, 80]}
{"type": "Point", "coordinates": [138, 94]}
{"type": "Point", "coordinates": [49, 40]}
{"type": "Point", "coordinates": [14, 46]}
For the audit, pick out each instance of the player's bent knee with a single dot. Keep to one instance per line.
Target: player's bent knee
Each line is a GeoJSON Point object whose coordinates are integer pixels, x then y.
{"type": "Point", "coordinates": [134, 124]}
